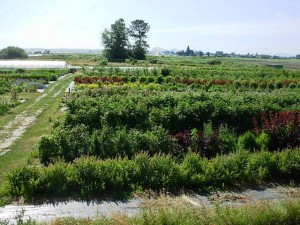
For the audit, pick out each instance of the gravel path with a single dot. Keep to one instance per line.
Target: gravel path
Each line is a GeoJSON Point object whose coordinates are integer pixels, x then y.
{"type": "Point", "coordinates": [49, 212]}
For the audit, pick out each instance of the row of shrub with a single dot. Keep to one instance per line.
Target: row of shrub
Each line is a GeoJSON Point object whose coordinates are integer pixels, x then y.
{"type": "Point", "coordinates": [254, 84]}
{"type": "Point", "coordinates": [276, 131]}
{"type": "Point", "coordinates": [203, 72]}
{"type": "Point", "coordinates": [270, 84]}
{"type": "Point", "coordinates": [175, 112]}
{"type": "Point", "coordinates": [33, 74]}
{"type": "Point", "coordinates": [88, 177]}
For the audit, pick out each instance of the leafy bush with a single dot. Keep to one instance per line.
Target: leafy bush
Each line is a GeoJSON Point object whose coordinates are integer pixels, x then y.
{"type": "Point", "coordinates": [263, 141]}
{"type": "Point", "coordinates": [165, 71]}
{"type": "Point", "coordinates": [3, 108]}
{"type": "Point", "coordinates": [247, 141]}
{"type": "Point", "coordinates": [214, 62]}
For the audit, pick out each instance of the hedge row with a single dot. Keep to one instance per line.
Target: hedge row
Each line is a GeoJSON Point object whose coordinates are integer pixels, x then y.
{"type": "Point", "coordinates": [88, 177]}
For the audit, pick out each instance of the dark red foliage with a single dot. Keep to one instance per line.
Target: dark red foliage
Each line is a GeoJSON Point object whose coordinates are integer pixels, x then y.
{"type": "Point", "coordinates": [189, 81]}
{"type": "Point", "coordinates": [283, 128]}
{"type": "Point", "coordinates": [183, 139]}
{"type": "Point", "coordinates": [221, 82]}
{"type": "Point", "coordinates": [207, 146]}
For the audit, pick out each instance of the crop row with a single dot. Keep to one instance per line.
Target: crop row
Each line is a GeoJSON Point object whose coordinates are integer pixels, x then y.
{"type": "Point", "coordinates": [204, 72]}
{"type": "Point", "coordinates": [47, 75]}
{"type": "Point", "coordinates": [173, 111]}
{"type": "Point", "coordinates": [276, 131]}
{"type": "Point", "coordinates": [254, 84]}
{"type": "Point", "coordinates": [89, 177]}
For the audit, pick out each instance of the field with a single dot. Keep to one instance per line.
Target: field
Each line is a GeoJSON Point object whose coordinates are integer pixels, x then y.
{"type": "Point", "coordinates": [185, 124]}
{"type": "Point", "coordinates": [16, 81]}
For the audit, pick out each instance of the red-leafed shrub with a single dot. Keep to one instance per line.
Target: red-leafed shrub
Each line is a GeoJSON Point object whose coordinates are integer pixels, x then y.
{"type": "Point", "coordinates": [183, 140]}
{"type": "Point", "coordinates": [283, 128]}
{"type": "Point", "coordinates": [209, 142]}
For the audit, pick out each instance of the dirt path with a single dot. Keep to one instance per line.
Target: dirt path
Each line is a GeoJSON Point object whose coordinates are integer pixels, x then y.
{"type": "Point", "coordinates": [81, 209]}
{"type": "Point", "coordinates": [15, 129]}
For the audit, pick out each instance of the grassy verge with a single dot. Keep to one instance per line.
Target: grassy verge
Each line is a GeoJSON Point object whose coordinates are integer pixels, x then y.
{"type": "Point", "coordinates": [25, 147]}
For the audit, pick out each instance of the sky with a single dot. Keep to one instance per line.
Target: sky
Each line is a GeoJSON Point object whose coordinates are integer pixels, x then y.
{"type": "Point", "coordinates": [241, 26]}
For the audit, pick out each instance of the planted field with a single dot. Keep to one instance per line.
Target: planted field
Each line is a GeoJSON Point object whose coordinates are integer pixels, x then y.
{"type": "Point", "coordinates": [15, 81]}
{"type": "Point", "coordinates": [169, 128]}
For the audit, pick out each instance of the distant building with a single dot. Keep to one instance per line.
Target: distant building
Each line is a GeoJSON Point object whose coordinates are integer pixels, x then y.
{"type": "Point", "coordinates": [298, 56]}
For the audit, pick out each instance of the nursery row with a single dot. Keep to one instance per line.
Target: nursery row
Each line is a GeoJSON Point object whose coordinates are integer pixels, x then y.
{"type": "Point", "coordinates": [27, 80]}
{"type": "Point", "coordinates": [34, 74]}
{"type": "Point", "coordinates": [254, 84]}
{"type": "Point", "coordinates": [23, 80]}
{"type": "Point", "coordinates": [204, 72]}
{"type": "Point", "coordinates": [174, 111]}
{"type": "Point", "coordinates": [88, 177]}
{"type": "Point", "coordinates": [277, 131]}
{"type": "Point", "coordinates": [109, 122]}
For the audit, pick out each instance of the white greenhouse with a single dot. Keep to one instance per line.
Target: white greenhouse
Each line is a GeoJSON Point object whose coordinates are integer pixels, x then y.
{"type": "Point", "coordinates": [12, 64]}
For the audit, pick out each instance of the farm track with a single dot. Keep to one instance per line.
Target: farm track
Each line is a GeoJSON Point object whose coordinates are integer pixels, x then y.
{"type": "Point", "coordinates": [14, 129]}
{"type": "Point", "coordinates": [49, 212]}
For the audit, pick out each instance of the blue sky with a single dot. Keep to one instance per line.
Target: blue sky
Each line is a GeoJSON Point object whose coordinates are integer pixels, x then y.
{"type": "Point", "coordinates": [256, 26]}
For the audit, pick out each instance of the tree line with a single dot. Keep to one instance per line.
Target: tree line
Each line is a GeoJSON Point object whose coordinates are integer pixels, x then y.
{"type": "Point", "coordinates": [12, 52]}
{"type": "Point", "coordinates": [116, 40]}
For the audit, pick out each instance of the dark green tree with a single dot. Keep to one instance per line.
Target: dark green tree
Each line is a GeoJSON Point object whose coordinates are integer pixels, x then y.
{"type": "Point", "coordinates": [180, 53]}
{"type": "Point", "coordinates": [138, 31]}
{"type": "Point", "coordinates": [12, 52]}
{"type": "Point", "coordinates": [189, 52]}
{"type": "Point", "coordinates": [115, 41]}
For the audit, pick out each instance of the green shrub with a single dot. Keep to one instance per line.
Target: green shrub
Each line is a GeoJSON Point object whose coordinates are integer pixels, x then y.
{"type": "Point", "coordinates": [48, 149]}
{"type": "Point", "coordinates": [247, 141]}
{"type": "Point", "coordinates": [214, 62]}
{"type": "Point", "coordinates": [263, 141]}
{"type": "Point", "coordinates": [142, 79]}
{"type": "Point", "coordinates": [271, 85]}
{"type": "Point", "coordinates": [73, 142]}
{"type": "Point", "coordinates": [132, 79]}
{"type": "Point", "coordinates": [292, 85]}
{"type": "Point", "coordinates": [253, 84]}
{"type": "Point", "coordinates": [150, 79]}
{"type": "Point", "coordinates": [278, 84]}
{"type": "Point", "coordinates": [165, 71]}
{"type": "Point", "coordinates": [227, 139]}
{"type": "Point", "coordinates": [3, 109]}
{"type": "Point", "coordinates": [237, 84]}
